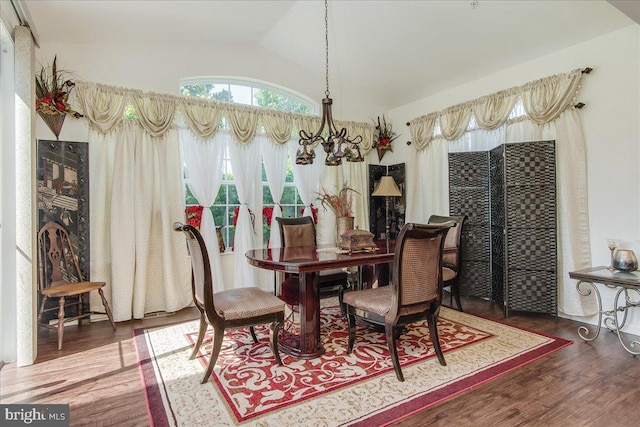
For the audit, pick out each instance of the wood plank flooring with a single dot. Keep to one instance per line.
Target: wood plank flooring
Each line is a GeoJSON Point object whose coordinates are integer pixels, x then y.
{"type": "Point", "coordinates": [595, 384]}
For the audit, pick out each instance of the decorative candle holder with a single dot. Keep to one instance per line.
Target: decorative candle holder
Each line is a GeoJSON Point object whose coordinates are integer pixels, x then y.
{"type": "Point", "coordinates": [613, 244]}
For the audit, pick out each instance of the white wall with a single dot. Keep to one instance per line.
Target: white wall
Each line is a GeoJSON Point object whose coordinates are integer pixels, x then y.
{"type": "Point", "coordinates": [611, 122]}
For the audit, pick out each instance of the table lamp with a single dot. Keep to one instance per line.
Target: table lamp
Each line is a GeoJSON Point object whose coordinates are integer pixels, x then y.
{"type": "Point", "coordinates": [387, 188]}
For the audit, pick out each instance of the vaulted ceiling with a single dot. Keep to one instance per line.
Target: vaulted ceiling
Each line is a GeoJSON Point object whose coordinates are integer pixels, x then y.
{"type": "Point", "coordinates": [398, 50]}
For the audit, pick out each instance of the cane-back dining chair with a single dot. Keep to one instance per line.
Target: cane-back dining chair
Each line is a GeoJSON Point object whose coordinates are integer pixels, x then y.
{"type": "Point", "coordinates": [234, 308]}
{"type": "Point", "coordinates": [415, 292]}
{"type": "Point", "coordinates": [302, 232]}
{"type": "Point", "coordinates": [452, 258]}
{"type": "Point", "coordinates": [59, 276]}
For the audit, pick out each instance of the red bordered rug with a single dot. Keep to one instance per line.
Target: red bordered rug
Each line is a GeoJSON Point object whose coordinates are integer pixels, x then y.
{"type": "Point", "coordinates": [248, 388]}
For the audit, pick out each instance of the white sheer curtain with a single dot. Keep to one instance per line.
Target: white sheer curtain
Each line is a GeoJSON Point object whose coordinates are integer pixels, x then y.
{"type": "Point", "coordinates": [479, 140]}
{"type": "Point", "coordinates": [274, 157]}
{"type": "Point", "coordinates": [428, 182]}
{"type": "Point", "coordinates": [138, 195]}
{"type": "Point", "coordinates": [307, 177]}
{"type": "Point", "coordinates": [203, 167]}
{"type": "Point", "coordinates": [245, 162]}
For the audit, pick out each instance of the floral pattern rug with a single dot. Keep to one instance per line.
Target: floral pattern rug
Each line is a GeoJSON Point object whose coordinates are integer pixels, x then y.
{"type": "Point", "coordinates": [247, 387]}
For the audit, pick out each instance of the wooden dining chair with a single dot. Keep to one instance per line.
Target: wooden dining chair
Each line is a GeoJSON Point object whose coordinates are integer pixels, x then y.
{"type": "Point", "coordinates": [59, 276]}
{"type": "Point", "coordinates": [452, 259]}
{"type": "Point", "coordinates": [415, 292]}
{"type": "Point", "coordinates": [302, 232]}
{"type": "Point", "coordinates": [234, 308]}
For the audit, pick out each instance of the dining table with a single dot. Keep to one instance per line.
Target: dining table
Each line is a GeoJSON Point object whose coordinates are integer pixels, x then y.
{"type": "Point", "coordinates": [307, 261]}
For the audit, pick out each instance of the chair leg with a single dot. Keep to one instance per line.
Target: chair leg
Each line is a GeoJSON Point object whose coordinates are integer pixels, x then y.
{"type": "Point", "coordinates": [79, 309]}
{"type": "Point", "coordinates": [44, 300]}
{"type": "Point", "coordinates": [343, 310]}
{"type": "Point", "coordinates": [218, 336]}
{"type": "Point", "coordinates": [202, 329]}
{"type": "Point", "coordinates": [393, 351]}
{"type": "Point", "coordinates": [432, 320]}
{"type": "Point", "coordinates": [351, 320]}
{"type": "Point", "coordinates": [107, 309]}
{"type": "Point", "coordinates": [253, 334]}
{"type": "Point", "coordinates": [455, 291]}
{"type": "Point", "coordinates": [60, 321]}
{"type": "Point", "coordinates": [275, 331]}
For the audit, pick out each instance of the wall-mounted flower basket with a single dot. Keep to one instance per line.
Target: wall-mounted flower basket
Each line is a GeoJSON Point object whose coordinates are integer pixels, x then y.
{"type": "Point", "coordinates": [384, 136]}
{"type": "Point", "coordinates": [53, 87]}
{"type": "Point", "coordinates": [54, 122]}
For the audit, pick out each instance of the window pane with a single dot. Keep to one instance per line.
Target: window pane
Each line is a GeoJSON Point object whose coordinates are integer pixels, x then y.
{"type": "Point", "coordinates": [241, 94]}
{"type": "Point", "coordinates": [268, 99]}
{"type": "Point", "coordinates": [219, 215]}
{"type": "Point", "coordinates": [266, 195]}
{"type": "Point", "coordinates": [233, 195]}
{"type": "Point", "coordinates": [227, 198]}
{"type": "Point", "coordinates": [289, 211]}
{"type": "Point", "coordinates": [189, 198]}
{"type": "Point", "coordinates": [221, 198]}
{"type": "Point", "coordinates": [289, 195]}
{"type": "Point", "coordinates": [219, 92]}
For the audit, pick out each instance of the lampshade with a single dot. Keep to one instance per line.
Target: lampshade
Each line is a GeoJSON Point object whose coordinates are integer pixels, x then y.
{"type": "Point", "coordinates": [387, 187]}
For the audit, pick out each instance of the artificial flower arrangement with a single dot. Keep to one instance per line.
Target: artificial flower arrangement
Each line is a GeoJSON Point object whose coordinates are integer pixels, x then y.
{"type": "Point", "coordinates": [314, 213]}
{"type": "Point", "coordinates": [194, 215]}
{"type": "Point", "coordinates": [53, 87]}
{"type": "Point", "coordinates": [385, 135]}
{"type": "Point", "coordinates": [341, 203]}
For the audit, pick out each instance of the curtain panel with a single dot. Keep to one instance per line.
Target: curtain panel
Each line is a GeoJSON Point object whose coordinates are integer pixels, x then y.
{"type": "Point", "coordinates": [136, 187]}
{"type": "Point", "coordinates": [548, 103]}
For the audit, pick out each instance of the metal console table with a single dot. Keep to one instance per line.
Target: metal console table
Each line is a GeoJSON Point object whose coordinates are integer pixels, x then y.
{"type": "Point", "coordinates": [627, 284]}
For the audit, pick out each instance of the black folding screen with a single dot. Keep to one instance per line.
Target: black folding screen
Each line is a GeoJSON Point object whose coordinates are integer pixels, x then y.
{"type": "Point", "coordinates": [509, 241]}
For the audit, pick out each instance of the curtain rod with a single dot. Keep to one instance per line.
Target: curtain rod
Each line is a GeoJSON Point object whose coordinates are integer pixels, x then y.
{"type": "Point", "coordinates": [579, 105]}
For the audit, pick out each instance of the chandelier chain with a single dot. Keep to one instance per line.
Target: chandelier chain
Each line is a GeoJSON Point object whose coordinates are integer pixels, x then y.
{"type": "Point", "coordinates": [336, 142]}
{"type": "Point", "coordinates": [326, 44]}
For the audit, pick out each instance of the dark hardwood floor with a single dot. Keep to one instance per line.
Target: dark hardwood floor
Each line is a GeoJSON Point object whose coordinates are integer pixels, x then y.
{"type": "Point", "coordinates": [595, 384]}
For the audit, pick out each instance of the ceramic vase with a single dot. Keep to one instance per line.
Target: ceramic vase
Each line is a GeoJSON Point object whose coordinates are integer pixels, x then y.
{"type": "Point", "coordinates": [343, 224]}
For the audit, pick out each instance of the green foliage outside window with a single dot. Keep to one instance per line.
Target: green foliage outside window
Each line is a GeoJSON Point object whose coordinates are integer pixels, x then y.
{"type": "Point", "coordinates": [206, 91]}
{"type": "Point", "coordinates": [268, 99]}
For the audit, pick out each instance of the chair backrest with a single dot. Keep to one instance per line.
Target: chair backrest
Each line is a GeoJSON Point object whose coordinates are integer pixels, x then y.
{"type": "Point", "coordinates": [452, 242]}
{"type": "Point", "coordinates": [57, 262]}
{"type": "Point", "coordinates": [417, 267]}
{"type": "Point", "coordinates": [201, 280]}
{"type": "Point", "coordinates": [297, 231]}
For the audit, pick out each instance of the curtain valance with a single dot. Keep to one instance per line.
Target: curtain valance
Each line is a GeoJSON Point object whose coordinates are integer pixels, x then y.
{"type": "Point", "coordinates": [544, 100]}
{"type": "Point", "coordinates": [104, 107]}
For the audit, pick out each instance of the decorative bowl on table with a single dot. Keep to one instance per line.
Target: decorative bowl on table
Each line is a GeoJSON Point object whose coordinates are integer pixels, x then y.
{"type": "Point", "coordinates": [357, 241]}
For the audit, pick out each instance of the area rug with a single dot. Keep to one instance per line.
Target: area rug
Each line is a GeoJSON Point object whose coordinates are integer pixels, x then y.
{"type": "Point", "coordinates": [248, 388]}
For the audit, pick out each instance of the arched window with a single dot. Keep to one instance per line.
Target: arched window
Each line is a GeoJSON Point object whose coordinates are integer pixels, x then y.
{"type": "Point", "coordinates": [259, 94]}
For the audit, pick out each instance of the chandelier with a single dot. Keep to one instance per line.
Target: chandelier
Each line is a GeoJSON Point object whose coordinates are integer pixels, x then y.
{"type": "Point", "coordinates": [336, 143]}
